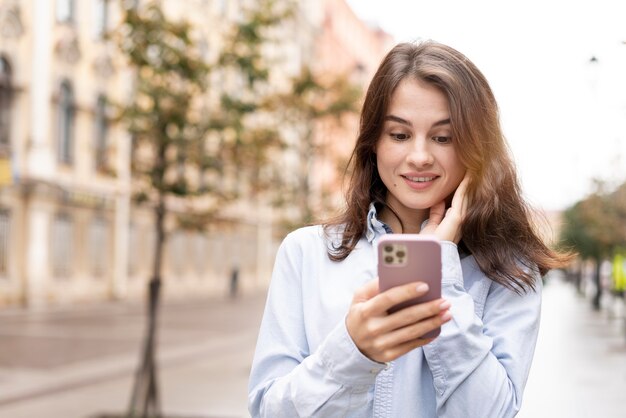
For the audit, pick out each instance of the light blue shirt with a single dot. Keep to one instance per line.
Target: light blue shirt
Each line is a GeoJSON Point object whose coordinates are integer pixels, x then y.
{"type": "Point", "coordinates": [306, 364]}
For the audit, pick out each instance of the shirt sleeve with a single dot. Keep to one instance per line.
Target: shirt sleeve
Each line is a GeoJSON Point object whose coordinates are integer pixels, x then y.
{"type": "Point", "coordinates": [480, 366]}
{"type": "Point", "coordinates": [287, 380]}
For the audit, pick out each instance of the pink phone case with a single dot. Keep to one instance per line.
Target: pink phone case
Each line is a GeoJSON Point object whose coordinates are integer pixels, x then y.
{"type": "Point", "coordinates": [405, 258]}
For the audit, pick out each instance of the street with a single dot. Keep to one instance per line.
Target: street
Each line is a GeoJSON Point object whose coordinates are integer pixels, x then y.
{"type": "Point", "coordinates": [79, 363]}
{"type": "Point", "coordinates": [579, 369]}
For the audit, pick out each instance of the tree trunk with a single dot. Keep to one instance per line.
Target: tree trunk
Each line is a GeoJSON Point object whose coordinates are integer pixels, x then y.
{"type": "Point", "coordinates": [145, 400]}
{"type": "Point", "coordinates": [578, 278]}
{"type": "Point", "coordinates": [307, 156]}
{"type": "Point", "coordinates": [596, 279]}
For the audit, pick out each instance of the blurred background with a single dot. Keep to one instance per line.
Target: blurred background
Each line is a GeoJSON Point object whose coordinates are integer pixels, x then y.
{"type": "Point", "coordinates": [153, 154]}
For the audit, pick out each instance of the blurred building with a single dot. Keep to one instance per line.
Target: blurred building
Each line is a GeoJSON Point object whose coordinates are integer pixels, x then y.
{"type": "Point", "coordinates": [349, 47]}
{"type": "Point", "coordinates": [69, 231]}
{"type": "Point", "coordinates": [65, 205]}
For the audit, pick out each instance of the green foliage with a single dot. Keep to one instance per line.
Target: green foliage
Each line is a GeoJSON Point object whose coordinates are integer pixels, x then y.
{"type": "Point", "coordinates": [185, 148]}
{"type": "Point", "coordinates": [596, 225]}
{"type": "Point", "coordinates": [163, 116]}
{"type": "Point", "coordinates": [249, 135]}
{"type": "Point", "coordinates": [243, 49]}
{"type": "Point", "coordinates": [311, 100]}
{"type": "Point", "coordinates": [577, 235]}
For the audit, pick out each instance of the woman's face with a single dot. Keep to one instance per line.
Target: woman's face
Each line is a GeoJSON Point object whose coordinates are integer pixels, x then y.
{"type": "Point", "coordinates": [416, 155]}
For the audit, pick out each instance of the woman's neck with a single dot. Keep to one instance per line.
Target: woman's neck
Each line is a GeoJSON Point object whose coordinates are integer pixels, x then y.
{"type": "Point", "coordinates": [405, 223]}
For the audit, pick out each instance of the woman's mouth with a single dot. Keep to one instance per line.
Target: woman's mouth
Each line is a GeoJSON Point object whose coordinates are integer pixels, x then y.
{"type": "Point", "coordinates": [419, 179]}
{"type": "Point", "coordinates": [419, 182]}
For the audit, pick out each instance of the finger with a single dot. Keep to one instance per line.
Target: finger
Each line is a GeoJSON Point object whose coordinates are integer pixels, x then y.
{"type": "Point", "coordinates": [459, 200]}
{"type": "Point", "coordinates": [366, 292]}
{"type": "Point", "coordinates": [436, 214]}
{"type": "Point", "coordinates": [381, 303]}
{"type": "Point", "coordinates": [414, 314]}
{"type": "Point", "coordinates": [393, 345]}
{"type": "Point", "coordinates": [415, 331]}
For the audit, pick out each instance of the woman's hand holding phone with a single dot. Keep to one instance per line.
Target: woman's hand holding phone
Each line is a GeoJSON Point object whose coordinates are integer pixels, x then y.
{"type": "Point", "coordinates": [384, 337]}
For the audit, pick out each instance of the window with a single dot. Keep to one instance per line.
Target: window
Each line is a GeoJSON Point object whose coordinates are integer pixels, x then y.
{"type": "Point", "coordinates": [98, 246]}
{"type": "Point", "coordinates": [222, 7]}
{"type": "Point", "coordinates": [130, 4]}
{"type": "Point", "coordinates": [65, 11]}
{"type": "Point", "coordinates": [66, 114]}
{"type": "Point", "coordinates": [4, 242]}
{"type": "Point", "coordinates": [133, 247]}
{"type": "Point", "coordinates": [218, 255]}
{"type": "Point", "coordinates": [147, 248]}
{"type": "Point", "coordinates": [62, 246]}
{"type": "Point", "coordinates": [177, 253]}
{"type": "Point", "coordinates": [201, 247]}
{"type": "Point", "coordinates": [101, 128]}
{"type": "Point", "coordinates": [142, 243]}
{"type": "Point", "coordinates": [101, 15]}
{"type": "Point", "coordinates": [5, 102]}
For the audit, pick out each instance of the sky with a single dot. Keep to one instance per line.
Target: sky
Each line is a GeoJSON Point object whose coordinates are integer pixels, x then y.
{"type": "Point", "coordinates": [563, 115]}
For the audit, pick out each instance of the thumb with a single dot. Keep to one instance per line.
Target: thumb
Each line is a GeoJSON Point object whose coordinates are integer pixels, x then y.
{"type": "Point", "coordinates": [435, 216]}
{"type": "Point", "coordinates": [366, 292]}
{"type": "Point", "coordinates": [437, 213]}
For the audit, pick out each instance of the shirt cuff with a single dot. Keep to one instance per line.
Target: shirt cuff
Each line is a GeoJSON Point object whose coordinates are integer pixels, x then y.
{"type": "Point", "coordinates": [450, 264]}
{"type": "Point", "coordinates": [344, 362]}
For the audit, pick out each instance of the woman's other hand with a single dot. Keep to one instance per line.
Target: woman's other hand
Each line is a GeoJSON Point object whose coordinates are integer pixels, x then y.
{"type": "Point", "coordinates": [446, 224]}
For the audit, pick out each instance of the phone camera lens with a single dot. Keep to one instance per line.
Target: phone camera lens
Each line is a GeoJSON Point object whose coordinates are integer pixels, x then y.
{"type": "Point", "coordinates": [400, 254]}
{"type": "Point", "coordinates": [388, 248]}
{"type": "Point", "coordinates": [389, 259]}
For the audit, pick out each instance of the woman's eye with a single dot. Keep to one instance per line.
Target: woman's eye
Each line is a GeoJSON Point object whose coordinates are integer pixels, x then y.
{"type": "Point", "coordinates": [442, 139]}
{"type": "Point", "coordinates": [399, 136]}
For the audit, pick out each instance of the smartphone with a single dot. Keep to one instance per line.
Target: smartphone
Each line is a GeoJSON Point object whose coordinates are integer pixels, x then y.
{"type": "Point", "coordinates": [405, 258]}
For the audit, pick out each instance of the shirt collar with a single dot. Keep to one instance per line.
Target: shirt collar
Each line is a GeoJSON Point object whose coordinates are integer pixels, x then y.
{"type": "Point", "coordinates": [374, 226]}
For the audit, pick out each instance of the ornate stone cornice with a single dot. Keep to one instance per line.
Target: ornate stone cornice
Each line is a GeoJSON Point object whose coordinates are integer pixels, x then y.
{"type": "Point", "coordinates": [67, 48]}
{"type": "Point", "coordinates": [103, 66]}
{"type": "Point", "coordinates": [11, 26]}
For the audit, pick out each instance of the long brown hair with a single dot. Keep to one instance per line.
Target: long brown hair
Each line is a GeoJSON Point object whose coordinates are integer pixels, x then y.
{"type": "Point", "coordinates": [498, 229]}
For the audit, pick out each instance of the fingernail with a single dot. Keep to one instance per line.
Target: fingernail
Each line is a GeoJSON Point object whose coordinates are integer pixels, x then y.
{"type": "Point", "coordinates": [422, 287]}
{"type": "Point", "coordinates": [446, 316]}
{"type": "Point", "coordinates": [445, 305]}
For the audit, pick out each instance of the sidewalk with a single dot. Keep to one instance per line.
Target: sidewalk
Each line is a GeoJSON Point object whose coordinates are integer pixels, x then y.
{"type": "Point", "coordinates": [579, 369]}
{"type": "Point", "coordinates": [79, 364]}
{"type": "Point", "coordinates": [76, 364]}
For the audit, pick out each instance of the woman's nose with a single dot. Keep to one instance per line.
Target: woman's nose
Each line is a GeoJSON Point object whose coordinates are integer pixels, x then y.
{"type": "Point", "coordinates": [420, 154]}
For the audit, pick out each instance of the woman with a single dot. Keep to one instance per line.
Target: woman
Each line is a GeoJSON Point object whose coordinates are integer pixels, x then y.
{"type": "Point", "coordinates": [430, 158]}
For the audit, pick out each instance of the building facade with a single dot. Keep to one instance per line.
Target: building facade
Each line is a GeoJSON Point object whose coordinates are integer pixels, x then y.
{"type": "Point", "coordinates": [69, 230]}
{"type": "Point", "coordinates": [350, 48]}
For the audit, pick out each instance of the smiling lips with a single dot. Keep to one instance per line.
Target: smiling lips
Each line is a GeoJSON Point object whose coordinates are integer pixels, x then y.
{"type": "Point", "coordinates": [419, 182]}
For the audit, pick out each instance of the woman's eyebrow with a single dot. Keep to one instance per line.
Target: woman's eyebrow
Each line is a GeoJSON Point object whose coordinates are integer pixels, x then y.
{"type": "Point", "coordinates": [397, 119]}
{"type": "Point", "coordinates": [408, 123]}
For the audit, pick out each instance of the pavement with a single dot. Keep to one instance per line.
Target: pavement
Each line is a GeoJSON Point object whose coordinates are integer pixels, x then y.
{"type": "Point", "coordinates": [579, 368]}
{"type": "Point", "coordinates": [79, 362]}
